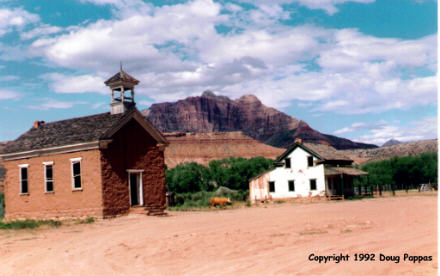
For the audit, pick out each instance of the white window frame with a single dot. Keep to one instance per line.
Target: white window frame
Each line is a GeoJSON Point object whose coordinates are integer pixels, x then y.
{"type": "Point", "coordinates": [48, 163]}
{"type": "Point", "coordinates": [74, 161]}
{"type": "Point", "coordinates": [21, 166]}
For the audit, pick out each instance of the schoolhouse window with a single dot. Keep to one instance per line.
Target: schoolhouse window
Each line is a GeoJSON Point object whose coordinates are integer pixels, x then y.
{"type": "Point", "coordinates": [76, 173]}
{"type": "Point", "coordinates": [272, 186]}
{"type": "Point", "coordinates": [310, 161]}
{"type": "Point", "coordinates": [291, 185]}
{"type": "Point", "coordinates": [48, 176]}
{"type": "Point", "coordinates": [312, 184]}
{"type": "Point", "coordinates": [288, 165]}
{"type": "Point", "coordinates": [24, 189]}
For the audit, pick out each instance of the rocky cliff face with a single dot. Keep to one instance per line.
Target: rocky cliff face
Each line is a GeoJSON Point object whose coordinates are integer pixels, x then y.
{"type": "Point", "coordinates": [204, 147]}
{"type": "Point", "coordinates": [211, 113]}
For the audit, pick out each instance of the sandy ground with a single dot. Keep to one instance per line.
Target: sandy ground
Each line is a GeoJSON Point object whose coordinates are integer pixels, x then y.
{"type": "Point", "coordinates": [276, 240]}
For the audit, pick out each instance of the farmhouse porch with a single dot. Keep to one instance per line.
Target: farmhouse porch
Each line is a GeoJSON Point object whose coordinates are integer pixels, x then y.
{"type": "Point", "coordinates": [339, 182]}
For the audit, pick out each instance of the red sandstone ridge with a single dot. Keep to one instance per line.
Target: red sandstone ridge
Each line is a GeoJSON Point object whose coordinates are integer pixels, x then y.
{"type": "Point", "coordinates": [204, 147]}
{"type": "Point", "coordinates": [211, 113]}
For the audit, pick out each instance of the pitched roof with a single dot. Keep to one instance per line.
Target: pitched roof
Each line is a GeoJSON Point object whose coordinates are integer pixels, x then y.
{"type": "Point", "coordinates": [321, 151]}
{"type": "Point", "coordinates": [121, 76]}
{"type": "Point", "coordinates": [75, 131]}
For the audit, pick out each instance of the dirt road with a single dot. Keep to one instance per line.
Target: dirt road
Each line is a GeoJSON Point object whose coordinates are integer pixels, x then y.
{"type": "Point", "coordinates": [276, 240]}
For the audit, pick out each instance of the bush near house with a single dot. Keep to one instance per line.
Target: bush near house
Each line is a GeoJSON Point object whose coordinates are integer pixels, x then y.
{"type": "Point", "coordinates": [202, 198]}
{"type": "Point", "coordinates": [232, 173]}
{"type": "Point", "coordinates": [194, 184]}
{"type": "Point", "coordinates": [402, 172]}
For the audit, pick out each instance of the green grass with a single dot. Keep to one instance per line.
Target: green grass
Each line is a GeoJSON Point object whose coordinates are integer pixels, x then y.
{"type": "Point", "coordinates": [28, 224]}
{"type": "Point", "coordinates": [199, 201]}
{"type": "Point", "coordinates": [86, 221]}
{"type": "Point", "coordinates": [357, 197]}
{"type": "Point", "coordinates": [312, 232]}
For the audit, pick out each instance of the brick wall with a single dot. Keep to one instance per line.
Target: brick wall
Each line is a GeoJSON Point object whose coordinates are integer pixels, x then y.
{"type": "Point", "coordinates": [132, 148]}
{"type": "Point", "coordinates": [63, 202]}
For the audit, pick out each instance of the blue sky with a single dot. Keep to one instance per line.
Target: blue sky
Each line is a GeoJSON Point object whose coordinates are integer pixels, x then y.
{"type": "Point", "coordinates": [361, 69]}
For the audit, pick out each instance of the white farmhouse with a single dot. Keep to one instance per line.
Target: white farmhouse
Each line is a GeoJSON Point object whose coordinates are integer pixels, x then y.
{"type": "Point", "coordinates": [306, 170]}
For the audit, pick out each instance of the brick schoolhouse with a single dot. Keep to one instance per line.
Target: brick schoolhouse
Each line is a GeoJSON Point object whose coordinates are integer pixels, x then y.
{"type": "Point", "coordinates": [98, 165]}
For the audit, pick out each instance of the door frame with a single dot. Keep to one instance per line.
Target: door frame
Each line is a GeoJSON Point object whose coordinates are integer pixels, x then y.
{"type": "Point", "coordinates": [141, 186]}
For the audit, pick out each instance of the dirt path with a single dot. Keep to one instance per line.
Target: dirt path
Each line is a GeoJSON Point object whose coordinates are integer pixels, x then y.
{"type": "Point", "coordinates": [276, 240]}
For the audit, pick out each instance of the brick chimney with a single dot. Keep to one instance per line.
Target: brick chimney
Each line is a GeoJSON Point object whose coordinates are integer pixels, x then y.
{"type": "Point", "coordinates": [299, 141]}
{"type": "Point", "coordinates": [37, 124]}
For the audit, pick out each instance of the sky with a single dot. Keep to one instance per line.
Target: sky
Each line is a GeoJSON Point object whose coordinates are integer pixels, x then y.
{"type": "Point", "coordinates": [365, 70]}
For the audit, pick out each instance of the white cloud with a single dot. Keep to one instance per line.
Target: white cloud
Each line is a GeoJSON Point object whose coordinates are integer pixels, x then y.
{"type": "Point", "coordinates": [15, 19]}
{"type": "Point", "coordinates": [329, 6]}
{"type": "Point", "coordinates": [76, 84]}
{"type": "Point", "coordinates": [103, 2]}
{"type": "Point", "coordinates": [423, 129]}
{"type": "Point", "coordinates": [175, 51]}
{"type": "Point", "coordinates": [351, 49]}
{"type": "Point", "coordinates": [233, 7]}
{"type": "Point", "coordinates": [40, 31]}
{"type": "Point", "coordinates": [9, 78]}
{"type": "Point", "coordinates": [49, 103]}
{"type": "Point", "coordinates": [135, 40]}
{"type": "Point", "coordinates": [6, 94]}
{"type": "Point", "coordinates": [360, 126]}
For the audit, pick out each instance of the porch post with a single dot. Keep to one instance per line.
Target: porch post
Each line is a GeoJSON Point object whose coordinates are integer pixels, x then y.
{"type": "Point", "coordinates": [342, 186]}
{"type": "Point", "coordinates": [141, 190]}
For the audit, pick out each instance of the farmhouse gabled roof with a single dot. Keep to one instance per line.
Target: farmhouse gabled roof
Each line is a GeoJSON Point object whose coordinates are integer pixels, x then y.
{"type": "Point", "coordinates": [77, 131]}
{"type": "Point", "coordinates": [321, 151]}
{"type": "Point", "coordinates": [121, 76]}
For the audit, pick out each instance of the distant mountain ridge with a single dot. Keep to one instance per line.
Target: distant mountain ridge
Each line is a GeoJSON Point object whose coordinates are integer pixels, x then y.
{"type": "Point", "coordinates": [402, 149]}
{"type": "Point", "coordinates": [211, 113]}
{"type": "Point", "coordinates": [391, 142]}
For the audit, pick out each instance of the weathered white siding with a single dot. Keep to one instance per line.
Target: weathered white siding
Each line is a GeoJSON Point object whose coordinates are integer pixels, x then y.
{"type": "Point", "coordinates": [299, 172]}
{"type": "Point", "coordinates": [259, 188]}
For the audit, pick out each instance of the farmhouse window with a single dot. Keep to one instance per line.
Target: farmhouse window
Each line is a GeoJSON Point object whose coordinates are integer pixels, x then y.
{"type": "Point", "coordinates": [291, 185]}
{"type": "Point", "coordinates": [288, 165]}
{"type": "Point", "coordinates": [312, 184]}
{"type": "Point", "coordinates": [24, 178]}
{"type": "Point", "coordinates": [76, 173]}
{"type": "Point", "coordinates": [310, 161]}
{"type": "Point", "coordinates": [272, 186]}
{"type": "Point", "coordinates": [48, 176]}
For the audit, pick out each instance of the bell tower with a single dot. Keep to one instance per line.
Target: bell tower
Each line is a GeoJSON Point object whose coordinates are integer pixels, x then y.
{"type": "Point", "coordinates": [120, 84]}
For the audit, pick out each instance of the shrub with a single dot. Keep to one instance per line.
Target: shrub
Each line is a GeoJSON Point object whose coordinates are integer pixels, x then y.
{"type": "Point", "coordinates": [231, 173]}
{"type": "Point", "coordinates": [28, 224]}
{"type": "Point", "coordinates": [401, 172]}
{"type": "Point", "coordinates": [202, 198]}
{"type": "Point", "coordinates": [87, 220]}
